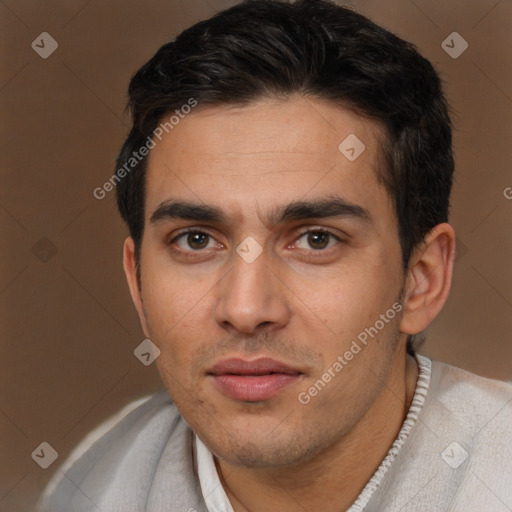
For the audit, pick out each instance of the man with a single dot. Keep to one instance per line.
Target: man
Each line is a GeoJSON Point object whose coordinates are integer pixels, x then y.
{"type": "Point", "coordinates": [286, 185]}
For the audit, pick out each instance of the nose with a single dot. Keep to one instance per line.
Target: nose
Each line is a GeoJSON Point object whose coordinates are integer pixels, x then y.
{"type": "Point", "coordinates": [251, 297]}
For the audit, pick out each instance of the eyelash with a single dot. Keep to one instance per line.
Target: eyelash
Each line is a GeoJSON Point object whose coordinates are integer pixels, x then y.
{"type": "Point", "coordinates": [302, 234]}
{"type": "Point", "coordinates": [186, 233]}
{"type": "Point", "coordinates": [319, 230]}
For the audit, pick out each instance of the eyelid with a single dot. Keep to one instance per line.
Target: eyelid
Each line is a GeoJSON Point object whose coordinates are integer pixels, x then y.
{"type": "Point", "coordinates": [314, 228]}
{"type": "Point", "coordinates": [319, 229]}
{"type": "Point", "coordinates": [188, 231]}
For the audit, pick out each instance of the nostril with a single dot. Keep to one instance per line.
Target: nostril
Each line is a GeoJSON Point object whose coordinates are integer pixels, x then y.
{"type": "Point", "coordinates": [264, 324]}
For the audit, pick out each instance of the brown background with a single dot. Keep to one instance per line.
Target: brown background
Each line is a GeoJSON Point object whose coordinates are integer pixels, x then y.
{"type": "Point", "coordinates": [68, 329]}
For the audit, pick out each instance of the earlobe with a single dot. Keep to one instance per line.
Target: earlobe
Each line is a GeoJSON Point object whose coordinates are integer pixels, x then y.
{"type": "Point", "coordinates": [429, 279]}
{"type": "Point", "coordinates": [130, 270]}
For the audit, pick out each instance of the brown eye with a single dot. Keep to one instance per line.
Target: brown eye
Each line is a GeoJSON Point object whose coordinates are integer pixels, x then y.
{"type": "Point", "coordinates": [197, 240]}
{"type": "Point", "coordinates": [194, 241]}
{"type": "Point", "coordinates": [318, 240]}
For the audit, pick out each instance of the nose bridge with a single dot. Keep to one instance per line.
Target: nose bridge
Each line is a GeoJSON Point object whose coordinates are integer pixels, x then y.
{"type": "Point", "coordinates": [247, 273]}
{"type": "Point", "coordinates": [251, 295]}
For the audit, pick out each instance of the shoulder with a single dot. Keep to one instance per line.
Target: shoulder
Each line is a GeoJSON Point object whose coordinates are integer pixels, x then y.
{"type": "Point", "coordinates": [134, 412]}
{"type": "Point", "coordinates": [106, 463]}
{"type": "Point", "coordinates": [458, 455]}
{"type": "Point", "coordinates": [470, 418]}
{"type": "Point", "coordinates": [470, 398]}
{"type": "Point", "coordinates": [475, 409]}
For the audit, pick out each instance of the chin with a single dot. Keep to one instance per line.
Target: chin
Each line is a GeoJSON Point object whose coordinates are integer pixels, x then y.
{"type": "Point", "coordinates": [260, 454]}
{"type": "Point", "coordinates": [261, 447]}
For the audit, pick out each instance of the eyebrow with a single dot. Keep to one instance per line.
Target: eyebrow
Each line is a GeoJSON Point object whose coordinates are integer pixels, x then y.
{"type": "Point", "coordinates": [332, 206]}
{"type": "Point", "coordinates": [169, 210]}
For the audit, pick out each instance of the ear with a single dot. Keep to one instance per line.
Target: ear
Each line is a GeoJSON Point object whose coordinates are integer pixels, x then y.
{"type": "Point", "coordinates": [429, 279]}
{"type": "Point", "coordinates": [130, 270]}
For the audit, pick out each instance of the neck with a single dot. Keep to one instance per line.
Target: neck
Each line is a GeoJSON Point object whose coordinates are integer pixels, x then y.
{"type": "Point", "coordinates": [332, 480]}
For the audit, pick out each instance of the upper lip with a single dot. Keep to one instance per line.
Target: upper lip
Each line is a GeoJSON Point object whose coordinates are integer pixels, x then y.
{"type": "Point", "coordinates": [261, 366]}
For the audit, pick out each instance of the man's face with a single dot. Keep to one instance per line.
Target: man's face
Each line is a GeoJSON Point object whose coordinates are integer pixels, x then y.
{"type": "Point", "coordinates": [246, 326]}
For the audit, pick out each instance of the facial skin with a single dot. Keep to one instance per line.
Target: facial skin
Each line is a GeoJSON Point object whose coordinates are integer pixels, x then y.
{"type": "Point", "coordinates": [302, 301]}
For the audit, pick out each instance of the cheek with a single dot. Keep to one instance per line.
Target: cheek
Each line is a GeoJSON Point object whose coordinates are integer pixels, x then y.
{"type": "Point", "coordinates": [180, 332]}
{"type": "Point", "coordinates": [176, 309]}
{"type": "Point", "coordinates": [346, 299]}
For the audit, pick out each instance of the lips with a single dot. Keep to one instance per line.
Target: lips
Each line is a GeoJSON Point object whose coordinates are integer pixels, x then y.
{"type": "Point", "coordinates": [252, 381]}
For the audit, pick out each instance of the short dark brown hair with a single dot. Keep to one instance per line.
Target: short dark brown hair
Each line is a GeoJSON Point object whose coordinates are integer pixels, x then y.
{"type": "Point", "coordinates": [262, 48]}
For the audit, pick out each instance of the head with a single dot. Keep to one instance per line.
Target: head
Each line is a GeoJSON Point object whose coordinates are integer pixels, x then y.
{"type": "Point", "coordinates": [244, 118]}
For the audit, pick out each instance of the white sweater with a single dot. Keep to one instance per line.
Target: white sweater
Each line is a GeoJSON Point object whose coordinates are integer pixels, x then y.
{"type": "Point", "coordinates": [453, 453]}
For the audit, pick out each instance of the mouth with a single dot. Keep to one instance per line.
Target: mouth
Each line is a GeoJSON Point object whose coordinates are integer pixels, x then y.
{"type": "Point", "coordinates": [252, 381]}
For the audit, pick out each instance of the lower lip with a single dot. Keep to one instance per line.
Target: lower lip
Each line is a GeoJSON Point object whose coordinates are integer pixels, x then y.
{"type": "Point", "coordinates": [254, 388]}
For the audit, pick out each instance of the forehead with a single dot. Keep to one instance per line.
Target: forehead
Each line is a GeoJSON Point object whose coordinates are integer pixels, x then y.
{"type": "Point", "coordinates": [267, 153]}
